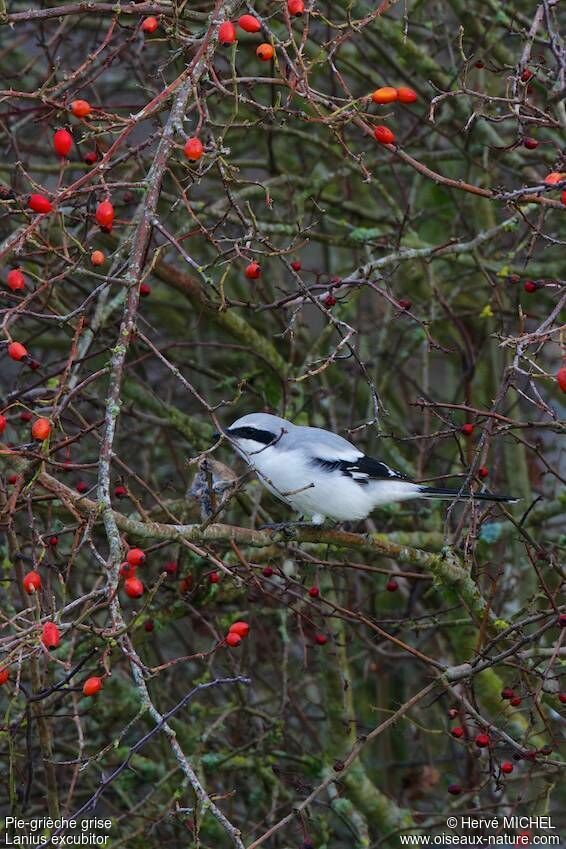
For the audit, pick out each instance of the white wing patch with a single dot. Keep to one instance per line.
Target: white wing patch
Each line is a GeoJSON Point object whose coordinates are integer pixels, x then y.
{"type": "Point", "coordinates": [362, 469]}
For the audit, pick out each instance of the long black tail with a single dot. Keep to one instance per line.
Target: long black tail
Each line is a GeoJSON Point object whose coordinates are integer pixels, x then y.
{"type": "Point", "coordinates": [441, 492]}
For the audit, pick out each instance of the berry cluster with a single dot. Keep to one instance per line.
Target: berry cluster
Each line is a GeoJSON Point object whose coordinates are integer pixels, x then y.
{"type": "Point", "coordinates": [133, 586]}
{"type": "Point", "coordinates": [237, 632]}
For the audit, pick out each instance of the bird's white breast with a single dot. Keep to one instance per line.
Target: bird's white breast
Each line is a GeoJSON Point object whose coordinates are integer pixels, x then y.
{"type": "Point", "coordinates": [308, 489]}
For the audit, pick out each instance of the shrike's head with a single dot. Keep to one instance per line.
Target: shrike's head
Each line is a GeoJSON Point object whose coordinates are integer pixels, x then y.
{"type": "Point", "coordinates": [255, 432]}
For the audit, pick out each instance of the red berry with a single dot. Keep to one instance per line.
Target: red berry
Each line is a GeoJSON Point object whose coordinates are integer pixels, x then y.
{"type": "Point", "coordinates": [193, 149]}
{"type": "Point", "coordinates": [233, 639]}
{"type": "Point", "coordinates": [3, 423]}
{"type": "Point", "coordinates": [554, 177]}
{"type": "Point", "coordinates": [457, 731]}
{"type": "Point", "coordinates": [329, 301]}
{"type": "Point", "coordinates": [530, 286]}
{"type": "Point", "coordinates": [562, 698]}
{"type": "Point", "coordinates": [81, 108]}
{"type": "Point", "coordinates": [53, 541]}
{"type": "Point", "coordinates": [92, 686]}
{"type": "Point", "coordinates": [454, 789]}
{"type": "Point", "coordinates": [467, 429]}
{"type": "Point", "coordinates": [249, 24]}
{"type": "Point", "coordinates": [385, 95]}
{"type": "Point", "coordinates": [32, 582]}
{"type": "Point", "coordinates": [145, 290]}
{"type": "Point", "coordinates": [91, 157]}
{"type": "Point", "coordinates": [133, 587]}
{"type": "Point", "coordinates": [392, 586]}
{"type": "Point", "coordinates": [214, 577]}
{"type": "Point", "coordinates": [13, 479]}
{"type": "Point", "coordinates": [120, 492]}
{"type": "Point", "coordinates": [135, 556]}
{"type": "Point", "coordinates": [561, 378]}
{"type": "Point", "coordinates": [39, 203]}
{"type": "Point", "coordinates": [50, 636]}
{"type": "Point", "coordinates": [265, 52]}
{"type": "Point", "coordinates": [267, 571]}
{"type": "Point", "coordinates": [81, 487]}
{"type": "Point", "coordinates": [526, 75]}
{"type": "Point", "coordinates": [296, 8]}
{"type": "Point", "coordinates": [253, 271]}
{"type": "Point", "coordinates": [41, 429]}
{"type": "Point", "coordinates": [515, 701]}
{"type": "Point", "coordinates": [97, 258]}
{"type": "Point", "coordinates": [17, 351]}
{"type": "Point", "coordinates": [320, 639]}
{"type": "Point", "coordinates": [562, 620]}
{"type": "Point", "coordinates": [483, 471]}
{"type": "Point", "coordinates": [563, 198]}
{"type": "Point", "coordinates": [530, 143]}
{"type": "Point", "coordinates": [406, 95]}
{"type": "Point", "coordinates": [127, 571]}
{"type": "Point", "coordinates": [482, 741]}
{"type": "Point", "coordinates": [171, 568]}
{"type": "Point", "coordinates": [405, 304]}
{"type": "Point", "coordinates": [150, 24]}
{"type": "Point", "coordinates": [185, 584]}
{"type": "Point", "coordinates": [383, 135]}
{"type": "Point", "coordinates": [15, 280]}
{"type": "Point", "coordinates": [507, 767]}
{"type": "Point", "coordinates": [105, 214]}
{"type": "Point", "coordinates": [148, 626]}
{"type": "Point", "coordinates": [314, 592]}
{"type": "Point", "coordinates": [227, 33]}
{"type": "Point", "coordinates": [62, 143]}
{"type": "Point", "coordinates": [507, 693]}
{"type": "Point", "coordinates": [4, 675]}
{"type": "Point", "coordinates": [25, 416]}
{"type": "Point", "coordinates": [479, 64]}
{"type": "Point", "coordinates": [296, 265]}
{"type": "Point", "coordinates": [242, 629]}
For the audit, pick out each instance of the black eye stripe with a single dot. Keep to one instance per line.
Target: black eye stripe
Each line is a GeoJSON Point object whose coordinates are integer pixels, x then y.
{"type": "Point", "coordinates": [263, 436]}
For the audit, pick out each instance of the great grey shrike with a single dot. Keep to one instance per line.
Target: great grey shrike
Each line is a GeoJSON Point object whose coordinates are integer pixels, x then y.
{"type": "Point", "coordinates": [322, 475]}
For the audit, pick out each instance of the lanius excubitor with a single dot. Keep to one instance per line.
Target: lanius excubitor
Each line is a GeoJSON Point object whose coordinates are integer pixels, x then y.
{"type": "Point", "coordinates": [322, 475]}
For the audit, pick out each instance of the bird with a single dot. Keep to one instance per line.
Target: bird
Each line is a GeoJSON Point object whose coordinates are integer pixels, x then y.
{"type": "Point", "coordinates": [320, 474]}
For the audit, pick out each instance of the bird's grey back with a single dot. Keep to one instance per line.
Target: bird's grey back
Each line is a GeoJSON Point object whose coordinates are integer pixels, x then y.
{"type": "Point", "coordinates": [294, 436]}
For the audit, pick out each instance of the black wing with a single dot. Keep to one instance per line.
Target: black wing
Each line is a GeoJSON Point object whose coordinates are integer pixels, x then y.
{"type": "Point", "coordinates": [363, 469]}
